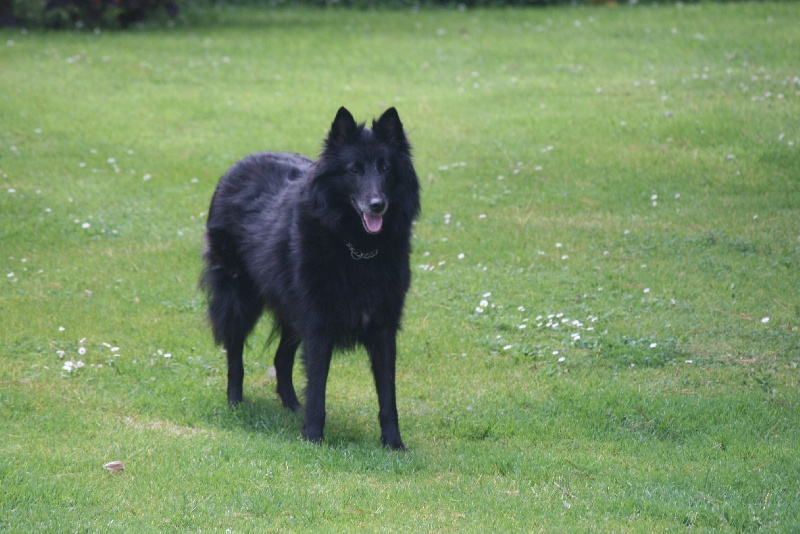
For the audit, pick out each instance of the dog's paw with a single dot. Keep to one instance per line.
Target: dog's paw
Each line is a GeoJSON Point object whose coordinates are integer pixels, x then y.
{"type": "Point", "coordinates": [314, 435]}
{"type": "Point", "coordinates": [394, 444]}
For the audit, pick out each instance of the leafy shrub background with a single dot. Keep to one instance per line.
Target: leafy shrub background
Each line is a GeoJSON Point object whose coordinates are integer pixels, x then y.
{"type": "Point", "coordinates": [79, 14]}
{"type": "Point", "coordinates": [84, 13]}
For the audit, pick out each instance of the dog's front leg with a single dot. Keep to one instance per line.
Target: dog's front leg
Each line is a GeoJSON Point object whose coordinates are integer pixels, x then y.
{"type": "Point", "coordinates": [317, 353]}
{"type": "Point", "coordinates": [382, 349]}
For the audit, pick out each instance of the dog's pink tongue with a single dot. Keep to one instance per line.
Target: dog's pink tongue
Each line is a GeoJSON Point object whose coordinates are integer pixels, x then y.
{"type": "Point", "coordinates": [373, 222]}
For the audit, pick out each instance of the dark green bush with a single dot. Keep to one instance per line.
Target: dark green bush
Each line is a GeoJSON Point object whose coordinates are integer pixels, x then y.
{"type": "Point", "coordinates": [124, 13]}
{"type": "Point", "coordinates": [83, 13]}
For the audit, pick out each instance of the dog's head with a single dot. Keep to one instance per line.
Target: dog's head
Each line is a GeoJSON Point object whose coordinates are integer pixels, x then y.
{"type": "Point", "coordinates": [370, 168]}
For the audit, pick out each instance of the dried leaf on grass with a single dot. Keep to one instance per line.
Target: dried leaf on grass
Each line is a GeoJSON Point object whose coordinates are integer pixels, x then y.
{"type": "Point", "coordinates": [115, 467]}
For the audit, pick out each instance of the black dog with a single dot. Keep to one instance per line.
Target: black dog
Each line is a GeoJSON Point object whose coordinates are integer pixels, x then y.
{"type": "Point", "coordinates": [325, 247]}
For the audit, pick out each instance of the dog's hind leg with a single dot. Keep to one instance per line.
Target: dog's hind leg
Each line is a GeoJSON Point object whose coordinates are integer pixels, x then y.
{"type": "Point", "coordinates": [382, 349]}
{"type": "Point", "coordinates": [284, 362]}
{"type": "Point", "coordinates": [234, 309]}
{"type": "Point", "coordinates": [241, 318]}
{"type": "Point", "coordinates": [234, 350]}
{"type": "Point", "coordinates": [317, 352]}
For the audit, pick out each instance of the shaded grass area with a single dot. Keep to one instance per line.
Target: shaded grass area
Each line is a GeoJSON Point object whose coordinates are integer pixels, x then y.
{"type": "Point", "coordinates": [602, 329]}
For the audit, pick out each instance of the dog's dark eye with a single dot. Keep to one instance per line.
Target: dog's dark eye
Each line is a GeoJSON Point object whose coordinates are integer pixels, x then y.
{"type": "Point", "coordinates": [354, 170]}
{"type": "Point", "coordinates": [383, 166]}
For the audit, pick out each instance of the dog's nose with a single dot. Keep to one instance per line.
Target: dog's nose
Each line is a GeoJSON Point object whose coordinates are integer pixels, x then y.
{"type": "Point", "coordinates": [377, 205]}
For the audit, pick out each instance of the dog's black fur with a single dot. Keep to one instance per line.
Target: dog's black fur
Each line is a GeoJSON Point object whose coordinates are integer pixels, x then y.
{"type": "Point", "coordinates": [325, 247]}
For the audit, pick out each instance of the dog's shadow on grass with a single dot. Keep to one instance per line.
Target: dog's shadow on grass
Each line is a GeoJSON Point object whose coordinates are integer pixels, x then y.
{"type": "Point", "coordinates": [262, 413]}
{"type": "Point", "coordinates": [259, 413]}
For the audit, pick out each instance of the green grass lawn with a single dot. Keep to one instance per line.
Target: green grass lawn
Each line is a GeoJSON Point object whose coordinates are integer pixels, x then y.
{"type": "Point", "coordinates": [602, 331]}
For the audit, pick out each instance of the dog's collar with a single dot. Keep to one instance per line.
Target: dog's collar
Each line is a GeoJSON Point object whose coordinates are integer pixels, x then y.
{"type": "Point", "coordinates": [361, 255]}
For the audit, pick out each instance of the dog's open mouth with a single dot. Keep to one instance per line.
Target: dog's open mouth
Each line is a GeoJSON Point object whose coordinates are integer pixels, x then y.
{"type": "Point", "coordinates": [372, 223]}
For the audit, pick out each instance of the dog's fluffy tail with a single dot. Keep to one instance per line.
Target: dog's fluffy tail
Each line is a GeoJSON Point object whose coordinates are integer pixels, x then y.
{"type": "Point", "coordinates": [233, 303]}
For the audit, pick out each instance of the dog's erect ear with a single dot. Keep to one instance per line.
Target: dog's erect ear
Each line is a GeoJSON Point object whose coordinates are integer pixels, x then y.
{"type": "Point", "coordinates": [388, 128]}
{"type": "Point", "coordinates": [343, 129]}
